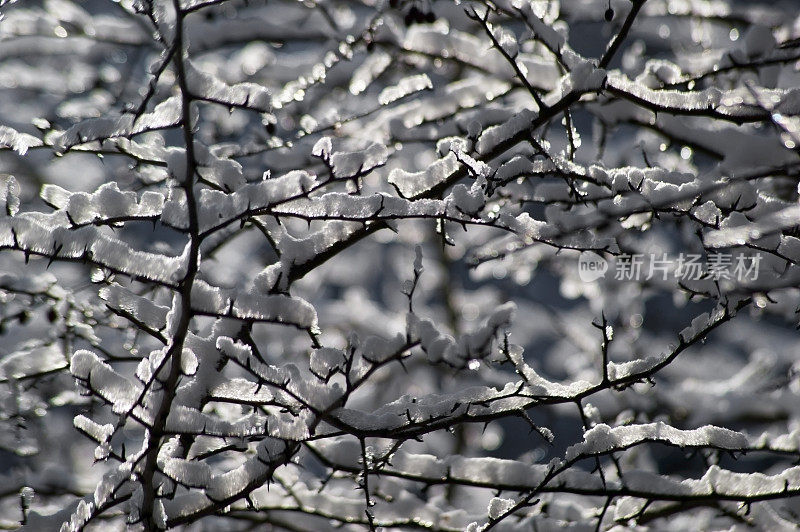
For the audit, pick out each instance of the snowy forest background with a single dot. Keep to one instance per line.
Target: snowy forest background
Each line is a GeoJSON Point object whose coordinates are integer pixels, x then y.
{"type": "Point", "coordinates": [315, 265]}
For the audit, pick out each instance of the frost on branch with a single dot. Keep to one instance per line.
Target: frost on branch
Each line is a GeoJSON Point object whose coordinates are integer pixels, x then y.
{"type": "Point", "coordinates": [107, 202]}
{"type": "Point", "coordinates": [410, 184]}
{"type": "Point", "coordinates": [406, 86]}
{"type": "Point", "coordinates": [19, 142]}
{"type": "Point", "coordinates": [517, 265]}
{"type": "Point", "coordinates": [166, 114]}
{"type": "Point", "coordinates": [603, 439]}
{"type": "Point", "coordinates": [207, 87]}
